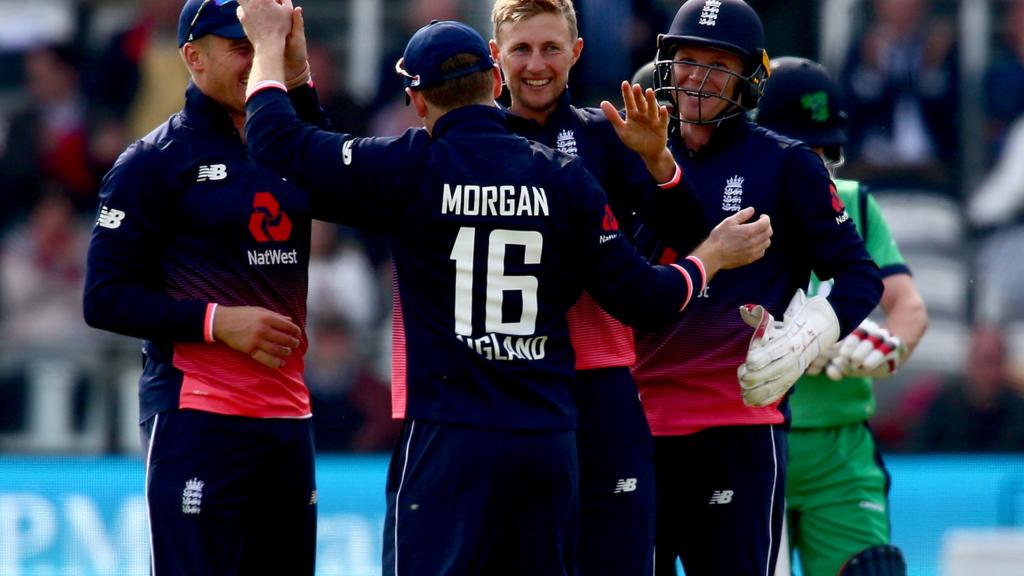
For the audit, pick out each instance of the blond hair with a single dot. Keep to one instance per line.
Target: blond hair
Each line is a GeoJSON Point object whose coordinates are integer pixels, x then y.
{"type": "Point", "coordinates": [514, 11]}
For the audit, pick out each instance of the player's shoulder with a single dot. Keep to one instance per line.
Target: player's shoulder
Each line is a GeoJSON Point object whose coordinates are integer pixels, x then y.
{"type": "Point", "coordinates": [771, 139]}
{"type": "Point", "coordinates": [596, 123]}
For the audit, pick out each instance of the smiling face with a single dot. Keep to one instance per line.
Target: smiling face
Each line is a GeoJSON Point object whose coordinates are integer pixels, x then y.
{"type": "Point", "coordinates": [535, 55]}
{"type": "Point", "coordinates": [220, 68]}
{"type": "Point", "coordinates": [709, 81]}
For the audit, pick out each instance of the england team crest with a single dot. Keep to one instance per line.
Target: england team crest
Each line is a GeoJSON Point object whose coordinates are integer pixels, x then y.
{"type": "Point", "coordinates": [732, 197]}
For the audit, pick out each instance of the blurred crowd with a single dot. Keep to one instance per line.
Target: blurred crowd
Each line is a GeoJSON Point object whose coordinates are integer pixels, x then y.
{"type": "Point", "coordinates": [75, 93]}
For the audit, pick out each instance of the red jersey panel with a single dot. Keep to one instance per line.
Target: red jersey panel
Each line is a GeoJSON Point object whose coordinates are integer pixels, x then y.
{"type": "Point", "coordinates": [599, 340]}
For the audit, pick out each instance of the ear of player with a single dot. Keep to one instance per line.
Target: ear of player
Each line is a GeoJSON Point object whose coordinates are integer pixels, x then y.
{"type": "Point", "coordinates": [870, 351]}
{"type": "Point", "coordinates": [780, 352]}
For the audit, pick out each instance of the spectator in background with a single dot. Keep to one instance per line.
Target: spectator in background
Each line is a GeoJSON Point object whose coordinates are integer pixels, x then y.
{"type": "Point", "coordinates": [978, 411]}
{"type": "Point", "coordinates": [134, 81]}
{"type": "Point", "coordinates": [42, 272]}
{"type": "Point", "coordinates": [346, 114]}
{"type": "Point", "coordinates": [900, 82]}
{"type": "Point", "coordinates": [351, 406]}
{"type": "Point", "coordinates": [1004, 80]}
{"type": "Point", "coordinates": [998, 200]}
{"type": "Point", "coordinates": [392, 116]}
{"type": "Point", "coordinates": [46, 142]}
{"type": "Point", "coordinates": [341, 280]}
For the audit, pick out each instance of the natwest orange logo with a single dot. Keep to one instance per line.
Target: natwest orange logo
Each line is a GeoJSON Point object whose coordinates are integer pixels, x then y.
{"type": "Point", "coordinates": [267, 221]}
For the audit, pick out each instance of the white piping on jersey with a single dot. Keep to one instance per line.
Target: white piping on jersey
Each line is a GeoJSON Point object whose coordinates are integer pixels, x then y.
{"type": "Point", "coordinates": [401, 483]}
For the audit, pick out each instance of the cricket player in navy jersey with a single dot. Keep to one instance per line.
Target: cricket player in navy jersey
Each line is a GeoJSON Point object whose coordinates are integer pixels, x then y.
{"type": "Point", "coordinates": [202, 253]}
{"type": "Point", "coordinates": [493, 239]}
{"type": "Point", "coordinates": [720, 445]}
{"type": "Point", "coordinates": [837, 505]}
{"type": "Point", "coordinates": [536, 43]}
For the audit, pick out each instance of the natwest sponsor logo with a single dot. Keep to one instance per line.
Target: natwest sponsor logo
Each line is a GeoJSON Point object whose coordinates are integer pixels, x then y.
{"type": "Point", "coordinates": [267, 222]}
{"type": "Point", "coordinates": [265, 257]}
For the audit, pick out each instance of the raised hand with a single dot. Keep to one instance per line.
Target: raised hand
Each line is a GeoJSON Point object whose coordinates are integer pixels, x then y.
{"type": "Point", "coordinates": [266, 22]}
{"type": "Point", "coordinates": [644, 130]}
{"type": "Point", "coordinates": [296, 56]}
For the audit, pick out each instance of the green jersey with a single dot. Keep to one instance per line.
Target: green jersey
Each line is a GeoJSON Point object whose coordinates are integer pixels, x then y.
{"type": "Point", "coordinates": [817, 401]}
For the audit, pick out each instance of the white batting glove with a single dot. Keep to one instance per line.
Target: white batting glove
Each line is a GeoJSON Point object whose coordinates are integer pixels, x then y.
{"type": "Point", "coordinates": [870, 350]}
{"type": "Point", "coordinates": [780, 352]}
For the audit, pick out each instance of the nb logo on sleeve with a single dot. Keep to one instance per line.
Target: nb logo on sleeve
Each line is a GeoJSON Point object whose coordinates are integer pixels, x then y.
{"type": "Point", "coordinates": [212, 172]}
{"type": "Point", "coordinates": [110, 218]}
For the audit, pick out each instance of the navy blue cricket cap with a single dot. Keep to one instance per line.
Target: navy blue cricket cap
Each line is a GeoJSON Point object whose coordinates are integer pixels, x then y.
{"type": "Point", "coordinates": [201, 17]}
{"type": "Point", "coordinates": [431, 45]}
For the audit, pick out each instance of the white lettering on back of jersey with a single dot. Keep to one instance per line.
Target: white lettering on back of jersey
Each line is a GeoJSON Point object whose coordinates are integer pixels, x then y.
{"type": "Point", "coordinates": [492, 347]}
{"type": "Point", "coordinates": [212, 172]}
{"type": "Point", "coordinates": [110, 218]}
{"type": "Point", "coordinates": [502, 200]}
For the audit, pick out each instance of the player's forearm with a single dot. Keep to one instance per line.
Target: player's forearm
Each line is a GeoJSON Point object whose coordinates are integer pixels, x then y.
{"type": "Point", "coordinates": [267, 64]}
{"type": "Point", "coordinates": [856, 292]}
{"type": "Point", "coordinates": [142, 313]}
{"type": "Point", "coordinates": [662, 167]}
{"type": "Point", "coordinates": [906, 314]}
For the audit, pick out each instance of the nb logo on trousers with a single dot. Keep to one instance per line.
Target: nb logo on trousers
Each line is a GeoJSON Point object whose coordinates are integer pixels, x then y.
{"type": "Point", "coordinates": [625, 485]}
{"type": "Point", "coordinates": [721, 497]}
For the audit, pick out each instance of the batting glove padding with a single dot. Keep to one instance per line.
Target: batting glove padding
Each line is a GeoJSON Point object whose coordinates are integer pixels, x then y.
{"type": "Point", "coordinates": [780, 352]}
{"type": "Point", "coordinates": [870, 350]}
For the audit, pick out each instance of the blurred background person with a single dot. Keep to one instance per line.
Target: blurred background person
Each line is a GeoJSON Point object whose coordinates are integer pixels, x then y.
{"type": "Point", "coordinates": [977, 411]}
{"type": "Point", "coordinates": [351, 406]}
{"type": "Point", "coordinates": [900, 80]}
{"type": "Point", "coordinates": [46, 140]}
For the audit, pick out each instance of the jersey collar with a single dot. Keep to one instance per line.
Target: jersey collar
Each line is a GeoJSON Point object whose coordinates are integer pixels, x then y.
{"type": "Point", "coordinates": [476, 118]}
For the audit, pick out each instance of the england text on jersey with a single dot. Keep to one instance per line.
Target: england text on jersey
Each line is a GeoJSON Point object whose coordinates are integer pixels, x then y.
{"type": "Point", "coordinates": [500, 200]}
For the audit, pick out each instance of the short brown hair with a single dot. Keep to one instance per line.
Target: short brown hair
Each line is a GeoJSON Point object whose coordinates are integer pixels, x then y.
{"type": "Point", "coordinates": [474, 88]}
{"type": "Point", "coordinates": [514, 11]}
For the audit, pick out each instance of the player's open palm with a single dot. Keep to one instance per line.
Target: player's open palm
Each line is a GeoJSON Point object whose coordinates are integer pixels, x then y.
{"type": "Point", "coordinates": [644, 130]}
{"type": "Point", "coordinates": [265, 20]}
{"type": "Point", "coordinates": [740, 241]}
{"type": "Point", "coordinates": [265, 335]}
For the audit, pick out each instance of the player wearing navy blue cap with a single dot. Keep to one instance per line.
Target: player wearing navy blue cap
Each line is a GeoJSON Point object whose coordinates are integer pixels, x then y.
{"type": "Point", "coordinates": [720, 445]}
{"type": "Point", "coordinates": [493, 238]}
{"type": "Point", "coordinates": [202, 253]}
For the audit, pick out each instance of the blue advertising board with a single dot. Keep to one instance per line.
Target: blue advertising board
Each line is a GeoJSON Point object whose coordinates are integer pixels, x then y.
{"type": "Point", "coordinates": [81, 516]}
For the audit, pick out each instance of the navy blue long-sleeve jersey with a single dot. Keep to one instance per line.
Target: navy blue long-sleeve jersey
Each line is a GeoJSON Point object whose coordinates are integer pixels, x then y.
{"type": "Point", "coordinates": [187, 220]}
{"type": "Point", "coordinates": [687, 371]}
{"type": "Point", "coordinates": [599, 340]}
{"type": "Point", "coordinates": [493, 238]}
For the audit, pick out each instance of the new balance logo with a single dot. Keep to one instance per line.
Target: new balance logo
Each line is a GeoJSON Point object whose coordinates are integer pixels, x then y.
{"type": "Point", "coordinates": [212, 172]}
{"type": "Point", "coordinates": [110, 218]}
{"type": "Point", "coordinates": [625, 485]}
{"type": "Point", "coordinates": [192, 496]}
{"type": "Point", "coordinates": [721, 497]}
